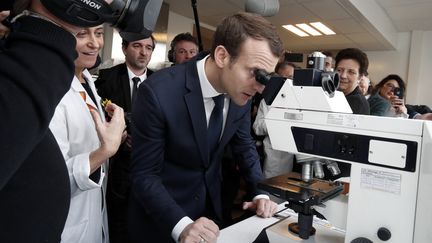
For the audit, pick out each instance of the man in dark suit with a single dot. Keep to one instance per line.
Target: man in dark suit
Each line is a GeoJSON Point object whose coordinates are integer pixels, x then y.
{"type": "Point", "coordinates": [175, 170]}
{"type": "Point", "coordinates": [183, 47]}
{"type": "Point", "coordinates": [117, 84]}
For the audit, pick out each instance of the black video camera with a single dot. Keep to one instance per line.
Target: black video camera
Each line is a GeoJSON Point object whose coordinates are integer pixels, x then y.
{"type": "Point", "coordinates": [135, 16]}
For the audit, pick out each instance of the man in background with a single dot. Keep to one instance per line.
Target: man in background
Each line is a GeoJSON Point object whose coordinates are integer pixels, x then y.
{"type": "Point", "coordinates": [120, 84]}
{"type": "Point", "coordinates": [328, 62]}
{"type": "Point", "coordinates": [183, 47]}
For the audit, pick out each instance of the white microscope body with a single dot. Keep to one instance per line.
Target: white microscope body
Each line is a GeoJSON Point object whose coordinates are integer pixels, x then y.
{"type": "Point", "coordinates": [390, 194]}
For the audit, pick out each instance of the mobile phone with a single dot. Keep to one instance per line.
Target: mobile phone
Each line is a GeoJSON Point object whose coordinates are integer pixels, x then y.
{"type": "Point", "coordinates": [398, 92]}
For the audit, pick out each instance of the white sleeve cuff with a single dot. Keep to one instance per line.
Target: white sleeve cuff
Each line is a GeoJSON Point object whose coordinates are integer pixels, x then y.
{"type": "Point", "coordinates": [81, 173]}
{"type": "Point", "coordinates": [260, 196]}
{"type": "Point", "coordinates": [179, 227]}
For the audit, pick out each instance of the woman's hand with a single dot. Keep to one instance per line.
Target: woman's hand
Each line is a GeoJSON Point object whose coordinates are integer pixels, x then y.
{"type": "Point", "coordinates": [398, 105]}
{"type": "Point", "coordinates": [110, 133]}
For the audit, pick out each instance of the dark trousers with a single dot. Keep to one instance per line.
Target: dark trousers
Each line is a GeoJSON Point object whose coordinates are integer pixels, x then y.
{"type": "Point", "coordinates": [117, 197]}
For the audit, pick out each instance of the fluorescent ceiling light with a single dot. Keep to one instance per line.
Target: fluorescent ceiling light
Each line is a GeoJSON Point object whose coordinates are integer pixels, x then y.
{"type": "Point", "coordinates": [295, 30]}
{"type": "Point", "coordinates": [324, 29]}
{"type": "Point", "coordinates": [308, 29]}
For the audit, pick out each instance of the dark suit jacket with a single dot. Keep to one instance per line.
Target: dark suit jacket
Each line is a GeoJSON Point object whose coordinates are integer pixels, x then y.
{"type": "Point", "coordinates": [172, 174]}
{"type": "Point", "coordinates": [113, 84]}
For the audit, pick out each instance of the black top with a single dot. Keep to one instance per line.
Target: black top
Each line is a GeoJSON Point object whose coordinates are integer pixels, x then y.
{"type": "Point", "coordinates": [357, 101]}
{"type": "Point", "coordinates": [36, 70]}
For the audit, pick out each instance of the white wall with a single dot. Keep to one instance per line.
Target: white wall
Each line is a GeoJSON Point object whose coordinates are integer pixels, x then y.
{"type": "Point", "coordinates": [412, 60]}
{"type": "Point", "coordinates": [420, 68]}
{"type": "Point", "coordinates": [179, 24]}
{"type": "Point", "coordinates": [383, 63]}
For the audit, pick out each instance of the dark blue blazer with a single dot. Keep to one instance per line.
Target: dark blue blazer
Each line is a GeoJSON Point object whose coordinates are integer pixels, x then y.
{"type": "Point", "coordinates": [171, 172]}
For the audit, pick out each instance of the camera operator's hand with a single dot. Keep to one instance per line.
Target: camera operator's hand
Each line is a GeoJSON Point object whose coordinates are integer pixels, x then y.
{"type": "Point", "coordinates": [3, 29]}
{"type": "Point", "coordinates": [398, 104]}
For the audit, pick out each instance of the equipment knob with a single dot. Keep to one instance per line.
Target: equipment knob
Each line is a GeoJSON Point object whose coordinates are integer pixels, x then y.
{"type": "Point", "coordinates": [384, 234]}
{"type": "Point", "coordinates": [361, 240]}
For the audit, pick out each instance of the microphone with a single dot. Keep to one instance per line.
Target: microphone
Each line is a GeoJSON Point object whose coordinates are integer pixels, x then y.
{"type": "Point", "coordinates": [265, 8]}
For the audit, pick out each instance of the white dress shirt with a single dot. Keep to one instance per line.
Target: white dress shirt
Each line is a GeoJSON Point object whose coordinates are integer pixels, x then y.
{"type": "Point", "coordinates": [131, 75]}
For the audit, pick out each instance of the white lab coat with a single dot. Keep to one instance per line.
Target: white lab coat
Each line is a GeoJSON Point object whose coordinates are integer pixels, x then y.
{"type": "Point", "coordinates": [75, 132]}
{"type": "Point", "coordinates": [275, 162]}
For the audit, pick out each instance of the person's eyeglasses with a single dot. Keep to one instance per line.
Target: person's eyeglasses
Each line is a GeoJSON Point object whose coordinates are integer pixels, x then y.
{"type": "Point", "coordinates": [390, 85]}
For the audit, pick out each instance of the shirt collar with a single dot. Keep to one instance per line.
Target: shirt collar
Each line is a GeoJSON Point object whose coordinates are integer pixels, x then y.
{"type": "Point", "coordinates": [132, 75]}
{"type": "Point", "coordinates": [206, 88]}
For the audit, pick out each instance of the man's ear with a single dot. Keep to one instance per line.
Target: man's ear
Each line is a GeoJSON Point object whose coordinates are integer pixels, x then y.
{"type": "Point", "coordinates": [124, 49]}
{"type": "Point", "coordinates": [222, 57]}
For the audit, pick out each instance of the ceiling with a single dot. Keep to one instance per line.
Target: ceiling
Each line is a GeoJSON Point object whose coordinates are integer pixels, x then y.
{"type": "Point", "coordinates": [371, 25]}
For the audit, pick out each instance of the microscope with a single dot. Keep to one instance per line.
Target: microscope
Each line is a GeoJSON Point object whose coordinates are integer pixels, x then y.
{"type": "Point", "coordinates": [389, 198]}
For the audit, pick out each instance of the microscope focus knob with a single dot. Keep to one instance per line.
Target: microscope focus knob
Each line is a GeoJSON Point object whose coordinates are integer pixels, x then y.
{"type": "Point", "coordinates": [384, 234]}
{"type": "Point", "coordinates": [361, 240]}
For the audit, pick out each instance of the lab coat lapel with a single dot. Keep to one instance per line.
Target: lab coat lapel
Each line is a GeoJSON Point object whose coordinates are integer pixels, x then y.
{"type": "Point", "coordinates": [77, 87]}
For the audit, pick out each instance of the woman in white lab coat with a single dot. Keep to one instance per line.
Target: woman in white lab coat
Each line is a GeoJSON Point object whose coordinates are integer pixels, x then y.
{"type": "Point", "coordinates": [86, 141]}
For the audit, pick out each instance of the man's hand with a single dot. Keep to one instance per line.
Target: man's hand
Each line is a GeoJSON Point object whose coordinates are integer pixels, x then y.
{"type": "Point", "coordinates": [202, 230]}
{"type": "Point", "coordinates": [3, 29]}
{"type": "Point", "coordinates": [427, 116]}
{"type": "Point", "coordinates": [263, 207]}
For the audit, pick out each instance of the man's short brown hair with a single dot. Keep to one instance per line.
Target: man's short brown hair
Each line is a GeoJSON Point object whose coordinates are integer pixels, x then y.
{"type": "Point", "coordinates": [233, 31]}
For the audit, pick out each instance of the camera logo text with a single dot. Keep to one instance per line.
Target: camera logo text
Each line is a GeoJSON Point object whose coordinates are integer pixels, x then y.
{"type": "Point", "coordinates": [91, 4]}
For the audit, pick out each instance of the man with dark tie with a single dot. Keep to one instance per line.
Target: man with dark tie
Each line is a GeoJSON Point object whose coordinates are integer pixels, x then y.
{"type": "Point", "coordinates": [184, 116]}
{"type": "Point", "coordinates": [120, 84]}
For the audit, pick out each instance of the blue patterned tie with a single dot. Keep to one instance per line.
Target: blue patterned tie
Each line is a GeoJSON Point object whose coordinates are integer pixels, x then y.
{"type": "Point", "coordinates": [215, 125]}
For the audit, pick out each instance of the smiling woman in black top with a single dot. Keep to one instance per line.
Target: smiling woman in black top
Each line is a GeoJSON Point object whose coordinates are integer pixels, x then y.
{"type": "Point", "coordinates": [351, 65]}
